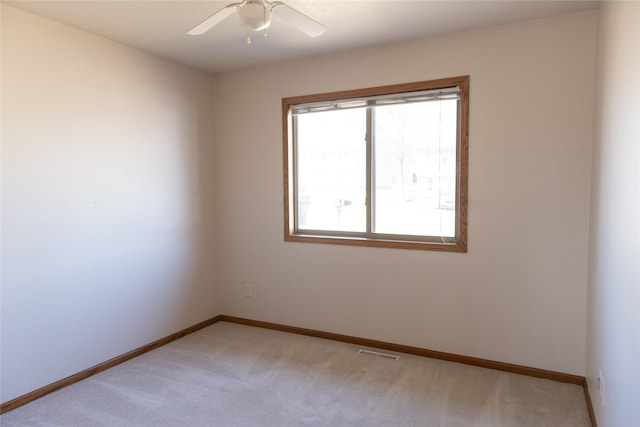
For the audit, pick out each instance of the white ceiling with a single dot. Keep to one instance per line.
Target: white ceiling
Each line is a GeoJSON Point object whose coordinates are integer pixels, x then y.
{"type": "Point", "coordinates": [160, 26]}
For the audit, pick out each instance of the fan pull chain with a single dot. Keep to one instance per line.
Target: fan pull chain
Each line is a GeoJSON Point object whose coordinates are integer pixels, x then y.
{"type": "Point", "coordinates": [264, 33]}
{"type": "Point", "coordinates": [264, 17]}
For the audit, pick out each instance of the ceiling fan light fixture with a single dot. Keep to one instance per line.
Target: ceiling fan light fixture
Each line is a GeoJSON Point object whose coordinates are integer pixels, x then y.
{"type": "Point", "coordinates": [254, 15]}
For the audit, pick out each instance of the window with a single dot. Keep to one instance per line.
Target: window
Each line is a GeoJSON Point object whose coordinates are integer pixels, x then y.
{"type": "Point", "coordinates": [384, 166]}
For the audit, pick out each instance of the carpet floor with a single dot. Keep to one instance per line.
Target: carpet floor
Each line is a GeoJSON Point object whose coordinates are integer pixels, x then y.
{"type": "Point", "coordinates": [235, 375]}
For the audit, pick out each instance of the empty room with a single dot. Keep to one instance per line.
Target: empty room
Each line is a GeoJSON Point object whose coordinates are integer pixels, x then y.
{"type": "Point", "coordinates": [322, 213]}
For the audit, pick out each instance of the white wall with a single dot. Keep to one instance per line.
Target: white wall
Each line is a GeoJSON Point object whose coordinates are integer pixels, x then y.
{"type": "Point", "coordinates": [519, 295]}
{"type": "Point", "coordinates": [106, 200]}
{"type": "Point", "coordinates": [614, 279]}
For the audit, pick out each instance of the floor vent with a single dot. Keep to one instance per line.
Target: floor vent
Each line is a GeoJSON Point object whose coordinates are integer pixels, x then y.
{"type": "Point", "coordinates": [383, 355]}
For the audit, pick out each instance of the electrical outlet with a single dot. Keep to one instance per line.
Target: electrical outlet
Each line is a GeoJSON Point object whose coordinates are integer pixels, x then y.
{"type": "Point", "coordinates": [248, 289]}
{"type": "Point", "coordinates": [601, 387]}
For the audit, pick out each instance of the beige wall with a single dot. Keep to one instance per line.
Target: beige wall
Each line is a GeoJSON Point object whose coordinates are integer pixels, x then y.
{"type": "Point", "coordinates": [112, 186]}
{"type": "Point", "coordinates": [614, 279]}
{"type": "Point", "coordinates": [105, 220]}
{"type": "Point", "coordinates": [519, 295]}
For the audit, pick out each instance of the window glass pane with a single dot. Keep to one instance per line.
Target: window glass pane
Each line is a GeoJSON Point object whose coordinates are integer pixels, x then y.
{"type": "Point", "coordinates": [331, 170]}
{"type": "Point", "coordinates": [415, 168]}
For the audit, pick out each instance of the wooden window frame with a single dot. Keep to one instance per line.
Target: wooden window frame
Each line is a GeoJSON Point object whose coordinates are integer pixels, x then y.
{"type": "Point", "coordinates": [411, 242]}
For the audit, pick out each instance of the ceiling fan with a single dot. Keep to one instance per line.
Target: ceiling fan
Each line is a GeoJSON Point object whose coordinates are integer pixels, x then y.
{"type": "Point", "coordinates": [255, 15]}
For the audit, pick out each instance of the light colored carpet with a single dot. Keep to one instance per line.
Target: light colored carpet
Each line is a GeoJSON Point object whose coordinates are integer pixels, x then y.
{"type": "Point", "coordinates": [236, 375]}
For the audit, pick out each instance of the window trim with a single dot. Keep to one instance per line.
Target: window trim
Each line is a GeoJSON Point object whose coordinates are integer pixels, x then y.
{"type": "Point", "coordinates": [380, 240]}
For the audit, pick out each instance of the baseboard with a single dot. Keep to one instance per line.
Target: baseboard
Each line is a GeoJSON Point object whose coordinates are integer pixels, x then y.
{"type": "Point", "coordinates": [36, 394]}
{"type": "Point", "coordinates": [467, 360]}
{"type": "Point", "coordinates": [592, 414]}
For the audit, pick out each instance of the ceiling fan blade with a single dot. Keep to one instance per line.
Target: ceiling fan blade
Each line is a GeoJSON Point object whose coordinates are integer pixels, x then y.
{"type": "Point", "coordinates": [299, 20]}
{"type": "Point", "coordinates": [214, 19]}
